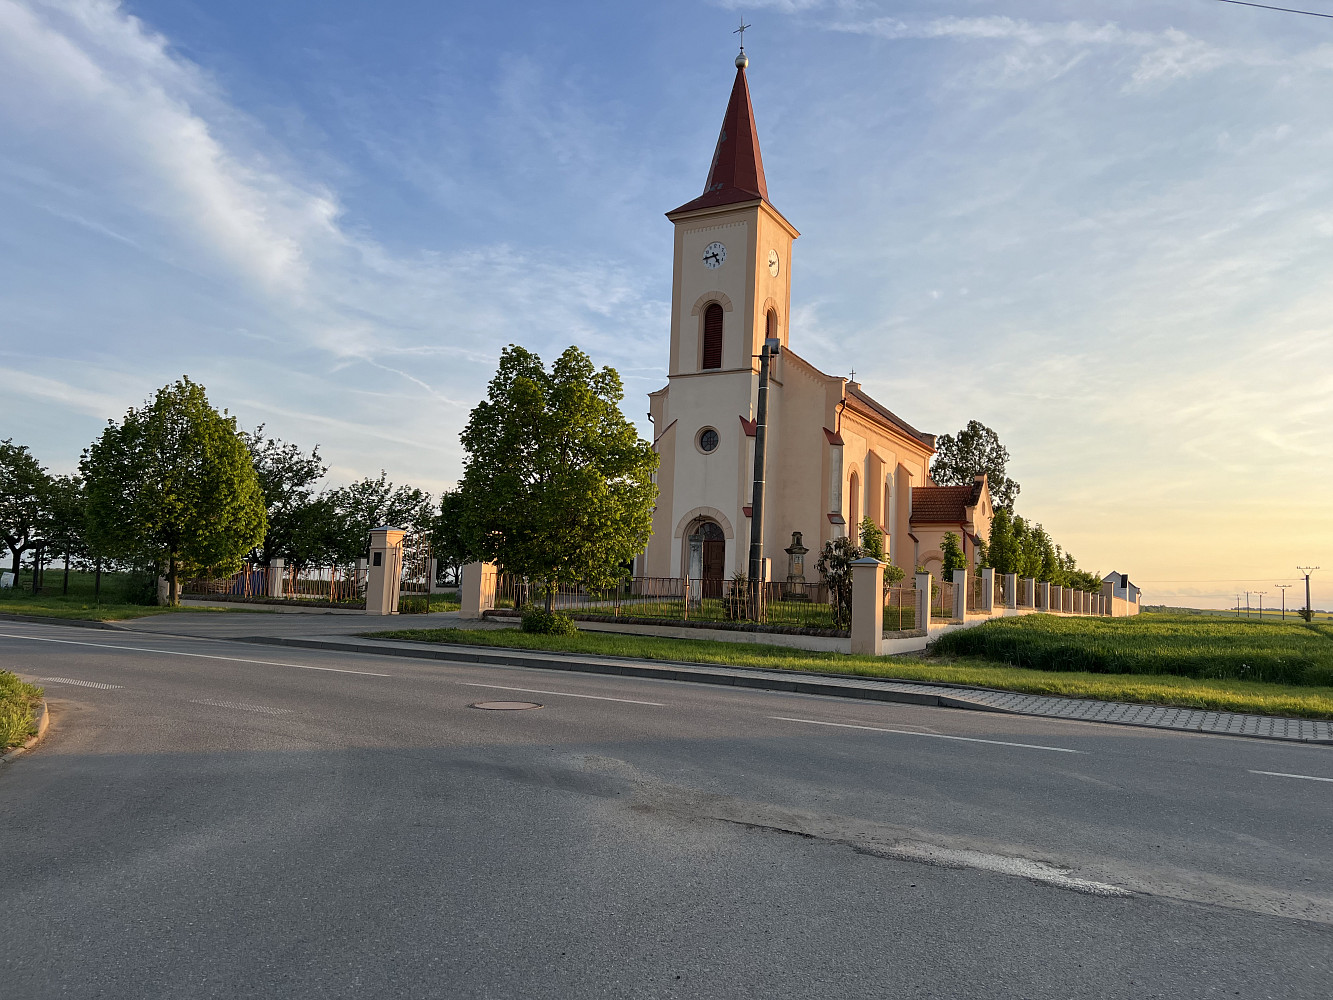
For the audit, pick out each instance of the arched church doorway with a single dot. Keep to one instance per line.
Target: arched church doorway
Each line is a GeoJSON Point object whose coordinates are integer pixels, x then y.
{"type": "Point", "coordinates": [707, 556]}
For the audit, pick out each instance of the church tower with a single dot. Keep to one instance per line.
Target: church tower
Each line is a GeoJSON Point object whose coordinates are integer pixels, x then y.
{"type": "Point", "coordinates": [731, 289]}
{"type": "Point", "coordinates": [834, 455]}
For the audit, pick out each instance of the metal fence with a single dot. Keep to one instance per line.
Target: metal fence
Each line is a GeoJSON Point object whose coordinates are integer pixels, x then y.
{"type": "Point", "coordinates": [941, 601]}
{"type": "Point", "coordinates": [680, 599]}
{"type": "Point", "coordinates": [974, 592]}
{"type": "Point", "coordinates": [249, 582]}
{"type": "Point", "coordinates": [899, 609]}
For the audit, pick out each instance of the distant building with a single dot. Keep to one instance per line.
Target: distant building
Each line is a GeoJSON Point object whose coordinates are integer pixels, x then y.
{"type": "Point", "coordinates": [936, 510]}
{"type": "Point", "coordinates": [1121, 587]}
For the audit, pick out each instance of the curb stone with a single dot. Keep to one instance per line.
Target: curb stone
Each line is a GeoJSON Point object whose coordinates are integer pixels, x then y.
{"type": "Point", "coordinates": [53, 620]}
{"type": "Point", "coordinates": [927, 693]}
{"type": "Point", "coordinates": [43, 722]}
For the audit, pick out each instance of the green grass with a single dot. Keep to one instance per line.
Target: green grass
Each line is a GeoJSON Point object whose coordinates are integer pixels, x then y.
{"type": "Point", "coordinates": [1216, 695]}
{"type": "Point", "coordinates": [18, 710]}
{"type": "Point", "coordinates": [1193, 646]}
{"type": "Point", "coordinates": [115, 603]}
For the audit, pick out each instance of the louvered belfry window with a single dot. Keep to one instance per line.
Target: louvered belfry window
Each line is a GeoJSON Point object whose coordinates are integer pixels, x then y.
{"type": "Point", "coordinates": [713, 336]}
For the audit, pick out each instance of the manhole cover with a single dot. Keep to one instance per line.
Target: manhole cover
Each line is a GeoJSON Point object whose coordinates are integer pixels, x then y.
{"type": "Point", "coordinates": [505, 706]}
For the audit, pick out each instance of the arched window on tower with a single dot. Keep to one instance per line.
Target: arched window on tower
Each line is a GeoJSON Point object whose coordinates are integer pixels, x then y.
{"type": "Point", "coordinates": [771, 326]}
{"type": "Point", "coordinates": [712, 353]}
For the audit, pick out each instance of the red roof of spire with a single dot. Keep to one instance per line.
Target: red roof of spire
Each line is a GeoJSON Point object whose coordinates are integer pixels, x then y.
{"type": "Point", "coordinates": [737, 173]}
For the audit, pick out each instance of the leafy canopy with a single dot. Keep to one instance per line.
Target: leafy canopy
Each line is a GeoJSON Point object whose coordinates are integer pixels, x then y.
{"type": "Point", "coordinates": [25, 488]}
{"type": "Point", "coordinates": [557, 485]}
{"type": "Point", "coordinates": [961, 457]}
{"type": "Point", "coordinates": [375, 503]}
{"type": "Point", "coordinates": [173, 484]}
{"type": "Point", "coordinates": [298, 519]}
{"type": "Point", "coordinates": [953, 558]}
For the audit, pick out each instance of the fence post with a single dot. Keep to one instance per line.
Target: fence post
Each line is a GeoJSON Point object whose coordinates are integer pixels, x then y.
{"type": "Point", "coordinates": [276, 570]}
{"type": "Point", "coordinates": [476, 590]}
{"type": "Point", "coordinates": [867, 607]}
{"type": "Point", "coordinates": [960, 595]}
{"type": "Point", "coordinates": [1030, 585]}
{"type": "Point", "coordinates": [924, 583]}
{"type": "Point", "coordinates": [386, 571]}
{"type": "Point", "coordinates": [1011, 585]}
{"type": "Point", "coordinates": [988, 590]}
{"type": "Point", "coordinates": [1045, 590]}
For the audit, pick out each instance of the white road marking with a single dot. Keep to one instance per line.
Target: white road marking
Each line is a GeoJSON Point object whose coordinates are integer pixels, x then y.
{"type": "Point", "coordinates": [202, 656]}
{"type": "Point", "coordinates": [262, 709]}
{"type": "Point", "coordinates": [1281, 774]}
{"type": "Point", "coordinates": [87, 684]}
{"type": "Point", "coordinates": [564, 694]}
{"type": "Point", "coordinates": [932, 736]}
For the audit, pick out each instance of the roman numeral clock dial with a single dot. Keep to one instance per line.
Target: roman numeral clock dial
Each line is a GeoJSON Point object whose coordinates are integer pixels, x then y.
{"type": "Point", "coordinates": [714, 255]}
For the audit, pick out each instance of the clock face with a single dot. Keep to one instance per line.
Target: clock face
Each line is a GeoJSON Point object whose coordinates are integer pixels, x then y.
{"type": "Point", "coordinates": [714, 255]}
{"type": "Point", "coordinates": [773, 264]}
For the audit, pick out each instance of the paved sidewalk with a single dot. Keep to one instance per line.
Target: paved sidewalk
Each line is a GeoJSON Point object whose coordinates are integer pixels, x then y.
{"type": "Point", "coordinates": [802, 682]}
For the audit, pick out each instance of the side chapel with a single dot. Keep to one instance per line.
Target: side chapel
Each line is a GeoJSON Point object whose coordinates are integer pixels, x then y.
{"type": "Point", "coordinates": [834, 455]}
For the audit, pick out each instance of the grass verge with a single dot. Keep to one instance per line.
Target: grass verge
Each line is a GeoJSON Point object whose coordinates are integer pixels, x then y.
{"type": "Point", "coordinates": [1152, 643]}
{"type": "Point", "coordinates": [18, 710]}
{"type": "Point", "coordinates": [1217, 695]}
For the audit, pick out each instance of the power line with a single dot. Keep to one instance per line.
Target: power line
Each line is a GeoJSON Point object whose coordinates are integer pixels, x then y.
{"type": "Point", "coordinates": [1285, 10]}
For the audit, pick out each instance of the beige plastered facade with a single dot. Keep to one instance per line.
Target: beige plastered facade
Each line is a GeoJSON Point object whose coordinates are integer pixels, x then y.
{"type": "Point", "coordinates": [833, 454]}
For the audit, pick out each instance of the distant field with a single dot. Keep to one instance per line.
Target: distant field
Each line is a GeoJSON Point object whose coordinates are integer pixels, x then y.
{"type": "Point", "coordinates": [1186, 645]}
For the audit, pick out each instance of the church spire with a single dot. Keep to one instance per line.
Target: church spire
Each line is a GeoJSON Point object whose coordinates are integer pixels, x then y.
{"type": "Point", "coordinates": [737, 172]}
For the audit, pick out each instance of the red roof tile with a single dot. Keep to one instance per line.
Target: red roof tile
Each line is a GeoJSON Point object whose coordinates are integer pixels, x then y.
{"type": "Point", "coordinates": [737, 172]}
{"type": "Point", "coordinates": [944, 504]}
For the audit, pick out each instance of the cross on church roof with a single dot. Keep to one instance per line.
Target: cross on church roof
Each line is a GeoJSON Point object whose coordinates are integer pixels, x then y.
{"type": "Point", "coordinates": [741, 31]}
{"type": "Point", "coordinates": [853, 376]}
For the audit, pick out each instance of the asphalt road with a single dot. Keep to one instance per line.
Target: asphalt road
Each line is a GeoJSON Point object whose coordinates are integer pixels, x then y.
{"type": "Point", "coordinates": [212, 818]}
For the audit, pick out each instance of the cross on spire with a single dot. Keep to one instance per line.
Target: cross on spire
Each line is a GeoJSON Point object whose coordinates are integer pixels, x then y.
{"type": "Point", "coordinates": [853, 378]}
{"type": "Point", "coordinates": [741, 31]}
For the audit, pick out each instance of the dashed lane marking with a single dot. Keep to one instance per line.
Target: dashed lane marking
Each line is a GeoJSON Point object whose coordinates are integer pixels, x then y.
{"type": "Point", "coordinates": [563, 694]}
{"type": "Point", "coordinates": [1281, 774]}
{"type": "Point", "coordinates": [202, 656]}
{"type": "Point", "coordinates": [930, 736]}
{"type": "Point", "coordinates": [85, 684]}
{"type": "Point", "coordinates": [241, 706]}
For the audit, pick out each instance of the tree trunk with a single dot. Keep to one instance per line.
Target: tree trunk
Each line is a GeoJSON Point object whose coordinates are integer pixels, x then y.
{"type": "Point", "coordinates": [173, 591]}
{"type": "Point", "coordinates": [97, 581]}
{"type": "Point", "coordinates": [18, 555]}
{"type": "Point", "coordinates": [550, 598]}
{"type": "Point", "coordinates": [65, 589]}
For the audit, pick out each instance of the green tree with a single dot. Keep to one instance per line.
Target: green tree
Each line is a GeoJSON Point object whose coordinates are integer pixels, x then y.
{"type": "Point", "coordinates": [65, 529]}
{"type": "Point", "coordinates": [952, 557]}
{"type": "Point", "coordinates": [376, 503]}
{"type": "Point", "coordinates": [960, 458]}
{"type": "Point", "coordinates": [25, 489]}
{"type": "Point", "coordinates": [872, 539]}
{"type": "Point", "coordinates": [447, 539]}
{"type": "Point", "coordinates": [835, 570]}
{"type": "Point", "coordinates": [557, 485]}
{"type": "Point", "coordinates": [299, 521]}
{"type": "Point", "coordinates": [1001, 547]}
{"type": "Point", "coordinates": [173, 484]}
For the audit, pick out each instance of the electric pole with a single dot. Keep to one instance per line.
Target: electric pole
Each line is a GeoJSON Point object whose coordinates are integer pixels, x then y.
{"type": "Point", "coordinates": [1305, 571]}
{"type": "Point", "coordinates": [1261, 603]}
{"type": "Point", "coordinates": [1283, 587]}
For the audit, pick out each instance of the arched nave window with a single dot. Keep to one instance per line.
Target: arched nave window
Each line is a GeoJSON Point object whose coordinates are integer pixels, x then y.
{"type": "Point", "coordinates": [854, 506]}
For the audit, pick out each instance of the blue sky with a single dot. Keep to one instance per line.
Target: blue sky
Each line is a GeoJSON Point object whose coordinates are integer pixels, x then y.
{"type": "Point", "coordinates": [1103, 228]}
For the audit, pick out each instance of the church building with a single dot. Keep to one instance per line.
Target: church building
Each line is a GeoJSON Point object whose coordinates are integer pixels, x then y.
{"type": "Point", "coordinates": [833, 454]}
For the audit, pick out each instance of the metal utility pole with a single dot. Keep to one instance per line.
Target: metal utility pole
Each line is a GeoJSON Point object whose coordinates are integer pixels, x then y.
{"type": "Point", "coordinates": [1247, 604]}
{"type": "Point", "coordinates": [1305, 571]}
{"type": "Point", "coordinates": [1238, 605]}
{"type": "Point", "coordinates": [1261, 603]}
{"type": "Point", "coordinates": [1283, 587]}
{"type": "Point", "coordinates": [767, 352]}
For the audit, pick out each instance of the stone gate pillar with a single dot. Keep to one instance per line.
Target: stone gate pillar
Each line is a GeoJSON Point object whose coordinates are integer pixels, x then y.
{"type": "Point", "coordinates": [386, 571]}
{"type": "Point", "coordinates": [868, 607]}
{"type": "Point", "coordinates": [476, 592]}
